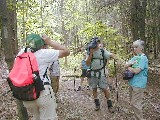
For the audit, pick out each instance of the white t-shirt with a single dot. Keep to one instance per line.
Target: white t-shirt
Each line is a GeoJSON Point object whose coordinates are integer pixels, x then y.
{"type": "Point", "coordinates": [55, 69]}
{"type": "Point", "coordinates": [44, 58]}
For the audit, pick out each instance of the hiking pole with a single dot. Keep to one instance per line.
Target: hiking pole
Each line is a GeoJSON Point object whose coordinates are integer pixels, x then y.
{"type": "Point", "coordinates": [115, 70]}
{"type": "Point", "coordinates": [117, 95]}
{"type": "Point", "coordinates": [74, 80]}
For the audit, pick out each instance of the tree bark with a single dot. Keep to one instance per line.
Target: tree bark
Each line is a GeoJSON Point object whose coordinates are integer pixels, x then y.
{"type": "Point", "coordinates": [138, 14]}
{"type": "Point", "coordinates": [141, 17]}
{"type": "Point", "coordinates": [134, 20]}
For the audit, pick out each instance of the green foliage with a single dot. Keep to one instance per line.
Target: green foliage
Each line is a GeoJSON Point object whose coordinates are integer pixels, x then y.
{"type": "Point", "coordinates": [80, 25]}
{"type": "Point", "coordinates": [73, 62]}
{"type": "Point", "coordinates": [31, 19]}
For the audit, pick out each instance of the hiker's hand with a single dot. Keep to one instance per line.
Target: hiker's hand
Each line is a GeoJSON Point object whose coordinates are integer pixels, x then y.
{"type": "Point", "coordinates": [134, 62]}
{"type": "Point", "coordinates": [91, 51]}
{"type": "Point", "coordinates": [130, 69]}
{"type": "Point", "coordinates": [45, 38]}
{"type": "Point", "coordinates": [129, 64]}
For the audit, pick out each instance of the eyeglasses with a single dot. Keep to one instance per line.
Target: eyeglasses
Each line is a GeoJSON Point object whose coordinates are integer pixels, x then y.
{"type": "Point", "coordinates": [134, 47]}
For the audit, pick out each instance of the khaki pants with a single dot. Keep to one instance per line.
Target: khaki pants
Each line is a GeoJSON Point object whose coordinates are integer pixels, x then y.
{"type": "Point", "coordinates": [136, 99]}
{"type": "Point", "coordinates": [43, 108]}
{"type": "Point", "coordinates": [55, 83]}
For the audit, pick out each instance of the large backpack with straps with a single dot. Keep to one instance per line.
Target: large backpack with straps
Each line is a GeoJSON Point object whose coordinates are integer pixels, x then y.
{"type": "Point", "coordinates": [24, 79]}
{"type": "Point", "coordinates": [104, 61]}
{"type": "Point", "coordinates": [97, 70]}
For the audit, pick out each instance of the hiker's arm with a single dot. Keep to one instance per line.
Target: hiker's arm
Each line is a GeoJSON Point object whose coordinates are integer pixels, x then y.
{"type": "Point", "coordinates": [134, 70]}
{"type": "Point", "coordinates": [89, 58]}
{"type": "Point", "coordinates": [63, 51]}
{"type": "Point", "coordinates": [114, 56]}
{"type": "Point", "coordinates": [118, 60]}
{"type": "Point", "coordinates": [129, 64]}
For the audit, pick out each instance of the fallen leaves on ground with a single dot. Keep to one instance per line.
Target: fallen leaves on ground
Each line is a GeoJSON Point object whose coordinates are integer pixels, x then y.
{"type": "Point", "coordinates": [79, 105]}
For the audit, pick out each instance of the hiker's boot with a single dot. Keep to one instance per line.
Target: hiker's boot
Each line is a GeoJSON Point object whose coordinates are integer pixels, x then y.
{"type": "Point", "coordinates": [110, 106]}
{"type": "Point", "coordinates": [97, 104]}
{"type": "Point", "coordinates": [79, 88]}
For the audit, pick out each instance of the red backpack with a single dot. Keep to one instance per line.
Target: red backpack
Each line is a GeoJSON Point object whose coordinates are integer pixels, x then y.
{"type": "Point", "coordinates": [24, 79]}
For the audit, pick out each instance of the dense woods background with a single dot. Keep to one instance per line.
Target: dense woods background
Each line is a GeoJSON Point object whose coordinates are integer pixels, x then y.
{"type": "Point", "coordinates": [75, 22]}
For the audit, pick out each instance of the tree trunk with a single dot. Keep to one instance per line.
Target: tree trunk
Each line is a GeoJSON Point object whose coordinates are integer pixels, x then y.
{"type": "Point", "coordinates": [9, 43]}
{"type": "Point", "coordinates": [141, 17]}
{"type": "Point", "coordinates": [134, 19]}
{"type": "Point", "coordinates": [138, 15]}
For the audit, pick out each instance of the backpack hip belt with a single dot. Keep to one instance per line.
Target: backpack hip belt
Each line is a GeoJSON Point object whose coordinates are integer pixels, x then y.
{"type": "Point", "coordinates": [99, 71]}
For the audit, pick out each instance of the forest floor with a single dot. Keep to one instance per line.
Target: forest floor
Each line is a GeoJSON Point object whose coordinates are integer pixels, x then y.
{"type": "Point", "coordinates": [79, 105]}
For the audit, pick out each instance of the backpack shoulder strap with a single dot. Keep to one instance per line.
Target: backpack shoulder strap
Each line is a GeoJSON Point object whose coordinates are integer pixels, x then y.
{"type": "Point", "coordinates": [51, 66]}
{"type": "Point", "coordinates": [104, 60]}
{"type": "Point", "coordinates": [102, 50]}
{"type": "Point", "coordinates": [45, 73]}
{"type": "Point", "coordinates": [26, 48]}
{"type": "Point", "coordinates": [30, 63]}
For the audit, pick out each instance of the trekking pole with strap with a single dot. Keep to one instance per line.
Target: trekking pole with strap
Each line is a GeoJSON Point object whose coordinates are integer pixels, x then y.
{"type": "Point", "coordinates": [117, 86]}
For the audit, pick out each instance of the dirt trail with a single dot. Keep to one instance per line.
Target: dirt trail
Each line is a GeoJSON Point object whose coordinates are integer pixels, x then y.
{"type": "Point", "coordinates": [78, 105]}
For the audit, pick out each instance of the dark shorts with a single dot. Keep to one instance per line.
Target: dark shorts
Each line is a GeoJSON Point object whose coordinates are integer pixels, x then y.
{"type": "Point", "coordinates": [83, 73]}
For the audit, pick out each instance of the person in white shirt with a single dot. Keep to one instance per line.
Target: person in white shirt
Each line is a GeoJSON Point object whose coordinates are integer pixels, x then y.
{"type": "Point", "coordinates": [55, 75]}
{"type": "Point", "coordinates": [44, 108]}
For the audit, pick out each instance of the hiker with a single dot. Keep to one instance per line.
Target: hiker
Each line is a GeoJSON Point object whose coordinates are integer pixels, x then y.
{"type": "Point", "coordinates": [44, 108]}
{"type": "Point", "coordinates": [84, 68]}
{"type": "Point", "coordinates": [138, 65]}
{"type": "Point", "coordinates": [97, 60]}
{"type": "Point", "coordinates": [55, 75]}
